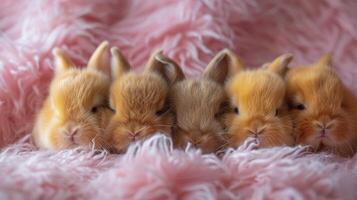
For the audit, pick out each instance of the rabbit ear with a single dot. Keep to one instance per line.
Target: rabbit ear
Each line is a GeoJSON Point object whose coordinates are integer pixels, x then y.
{"type": "Point", "coordinates": [98, 59]}
{"type": "Point", "coordinates": [325, 61]}
{"type": "Point", "coordinates": [63, 62]}
{"type": "Point", "coordinates": [279, 64]}
{"type": "Point", "coordinates": [165, 66]}
{"type": "Point", "coordinates": [119, 64]}
{"type": "Point", "coordinates": [225, 63]}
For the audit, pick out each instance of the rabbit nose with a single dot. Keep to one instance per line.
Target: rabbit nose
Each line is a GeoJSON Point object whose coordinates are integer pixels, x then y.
{"type": "Point", "coordinates": [72, 131]}
{"type": "Point", "coordinates": [197, 137]}
{"type": "Point", "coordinates": [196, 143]}
{"type": "Point", "coordinates": [134, 134]}
{"type": "Point", "coordinates": [323, 133]}
{"type": "Point", "coordinates": [324, 127]}
{"type": "Point", "coordinates": [256, 131]}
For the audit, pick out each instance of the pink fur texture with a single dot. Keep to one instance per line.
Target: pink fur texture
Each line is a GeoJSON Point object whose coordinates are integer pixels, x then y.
{"type": "Point", "coordinates": [191, 32]}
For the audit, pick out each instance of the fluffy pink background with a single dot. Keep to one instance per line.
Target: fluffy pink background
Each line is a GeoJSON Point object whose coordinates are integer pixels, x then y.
{"type": "Point", "coordinates": [191, 32]}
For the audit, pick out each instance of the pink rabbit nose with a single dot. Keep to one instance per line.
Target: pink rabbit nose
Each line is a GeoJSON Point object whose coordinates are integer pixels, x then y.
{"type": "Point", "coordinates": [324, 127]}
{"type": "Point", "coordinates": [323, 133]}
{"type": "Point", "coordinates": [195, 142]}
{"type": "Point", "coordinates": [73, 134]}
{"type": "Point", "coordinates": [256, 127]}
{"type": "Point", "coordinates": [257, 131]}
{"type": "Point", "coordinates": [133, 135]}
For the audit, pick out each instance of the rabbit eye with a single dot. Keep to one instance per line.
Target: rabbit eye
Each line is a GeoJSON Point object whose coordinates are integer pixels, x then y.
{"type": "Point", "coordinates": [94, 109]}
{"type": "Point", "coordinates": [223, 108]}
{"type": "Point", "coordinates": [300, 106]}
{"type": "Point", "coordinates": [277, 112]}
{"type": "Point", "coordinates": [163, 110]}
{"type": "Point", "coordinates": [218, 114]}
{"type": "Point", "coordinates": [236, 110]}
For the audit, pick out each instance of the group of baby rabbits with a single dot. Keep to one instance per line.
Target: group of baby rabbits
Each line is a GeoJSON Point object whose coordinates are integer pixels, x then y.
{"type": "Point", "coordinates": [278, 106]}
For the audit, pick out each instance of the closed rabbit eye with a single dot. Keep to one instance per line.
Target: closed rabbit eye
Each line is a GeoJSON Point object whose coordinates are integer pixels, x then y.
{"type": "Point", "coordinates": [162, 111]}
{"type": "Point", "coordinates": [236, 110]}
{"type": "Point", "coordinates": [300, 106]}
{"type": "Point", "coordinates": [224, 107]}
{"type": "Point", "coordinates": [277, 112]}
{"type": "Point", "coordinates": [217, 115]}
{"type": "Point", "coordinates": [94, 109]}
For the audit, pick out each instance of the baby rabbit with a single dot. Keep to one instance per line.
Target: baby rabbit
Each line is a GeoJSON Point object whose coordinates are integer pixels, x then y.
{"type": "Point", "coordinates": [260, 110]}
{"type": "Point", "coordinates": [324, 110]}
{"type": "Point", "coordinates": [199, 106]}
{"type": "Point", "coordinates": [140, 100]}
{"type": "Point", "coordinates": [76, 109]}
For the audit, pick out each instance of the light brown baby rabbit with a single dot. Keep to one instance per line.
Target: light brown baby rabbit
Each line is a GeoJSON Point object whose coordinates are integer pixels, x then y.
{"type": "Point", "coordinates": [141, 99]}
{"type": "Point", "coordinates": [76, 109]}
{"type": "Point", "coordinates": [324, 110]}
{"type": "Point", "coordinates": [199, 106]}
{"type": "Point", "coordinates": [260, 109]}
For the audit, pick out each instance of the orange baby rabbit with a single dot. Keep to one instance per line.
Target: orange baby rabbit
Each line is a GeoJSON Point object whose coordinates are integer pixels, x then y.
{"type": "Point", "coordinates": [260, 109]}
{"type": "Point", "coordinates": [141, 99]}
{"type": "Point", "coordinates": [199, 106]}
{"type": "Point", "coordinates": [324, 110]}
{"type": "Point", "coordinates": [76, 109]}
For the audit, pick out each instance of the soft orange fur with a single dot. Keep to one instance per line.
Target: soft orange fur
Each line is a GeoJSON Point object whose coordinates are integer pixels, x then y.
{"type": "Point", "coordinates": [259, 96]}
{"type": "Point", "coordinates": [199, 106]}
{"type": "Point", "coordinates": [141, 100]}
{"type": "Point", "coordinates": [327, 103]}
{"type": "Point", "coordinates": [77, 100]}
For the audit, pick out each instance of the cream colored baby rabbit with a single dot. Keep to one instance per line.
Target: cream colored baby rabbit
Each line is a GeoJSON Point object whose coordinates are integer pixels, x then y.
{"type": "Point", "coordinates": [260, 109]}
{"type": "Point", "coordinates": [76, 110]}
{"type": "Point", "coordinates": [323, 108]}
{"type": "Point", "coordinates": [140, 100]}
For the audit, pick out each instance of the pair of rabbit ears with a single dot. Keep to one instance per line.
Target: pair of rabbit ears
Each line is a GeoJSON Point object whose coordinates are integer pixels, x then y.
{"type": "Point", "coordinates": [158, 63]}
{"type": "Point", "coordinates": [226, 63]}
{"type": "Point", "coordinates": [97, 60]}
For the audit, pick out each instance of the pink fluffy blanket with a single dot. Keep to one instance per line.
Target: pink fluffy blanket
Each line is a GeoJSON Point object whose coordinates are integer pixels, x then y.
{"type": "Point", "coordinates": [191, 32]}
